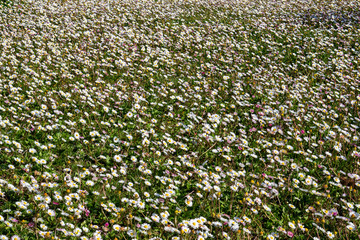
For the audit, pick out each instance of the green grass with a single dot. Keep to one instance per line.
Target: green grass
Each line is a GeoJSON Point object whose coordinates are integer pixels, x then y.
{"type": "Point", "coordinates": [223, 117]}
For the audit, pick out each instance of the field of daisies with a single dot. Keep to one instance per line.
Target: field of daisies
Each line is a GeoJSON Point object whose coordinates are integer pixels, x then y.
{"type": "Point", "coordinates": [182, 119]}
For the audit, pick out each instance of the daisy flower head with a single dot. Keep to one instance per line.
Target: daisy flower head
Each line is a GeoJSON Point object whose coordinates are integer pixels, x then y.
{"type": "Point", "coordinates": [117, 158]}
{"type": "Point", "coordinates": [146, 142]}
{"type": "Point", "coordinates": [292, 225]}
{"type": "Point", "coordinates": [116, 227]}
{"type": "Point", "coordinates": [308, 181]}
{"type": "Point", "coordinates": [77, 135]}
{"type": "Point", "coordinates": [131, 233]}
{"type": "Point", "coordinates": [267, 208]}
{"type": "Point", "coordinates": [51, 212]}
{"type": "Point", "coordinates": [226, 235]}
{"type": "Point", "coordinates": [330, 234]}
{"type": "Point", "coordinates": [146, 226]}
{"type": "Point", "coordinates": [194, 224]}
{"type": "Point", "coordinates": [155, 217]}
{"type": "Point", "coordinates": [129, 114]}
{"type": "Point", "coordinates": [32, 150]}
{"type": "Point", "coordinates": [270, 237]}
{"type": "Point", "coordinates": [188, 202]}
{"type": "Point", "coordinates": [351, 227]}
{"type": "Point", "coordinates": [141, 205]}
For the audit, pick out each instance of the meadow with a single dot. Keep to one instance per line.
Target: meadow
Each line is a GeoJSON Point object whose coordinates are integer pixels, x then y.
{"type": "Point", "coordinates": [199, 119]}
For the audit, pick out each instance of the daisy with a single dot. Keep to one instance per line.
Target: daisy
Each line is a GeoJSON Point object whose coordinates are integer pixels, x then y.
{"type": "Point", "coordinates": [292, 225]}
{"type": "Point", "coordinates": [51, 212]}
{"type": "Point", "coordinates": [270, 237]}
{"type": "Point", "coordinates": [194, 224]}
{"type": "Point", "coordinates": [188, 203]}
{"type": "Point", "coordinates": [76, 136]}
{"type": "Point", "coordinates": [117, 158]}
{"type": "Point", "coordinates": [155, 218]}
{"type": "Point", "coordinates": [267, 208]}
{"type": "Point", "coordinates": [351, 227]}
{"type": "Point", "coordinates": [116, 227]}
{"type": "Point", "coordinates": [146, 226]}
{"type": "Point", "coordinates": [330, 234]}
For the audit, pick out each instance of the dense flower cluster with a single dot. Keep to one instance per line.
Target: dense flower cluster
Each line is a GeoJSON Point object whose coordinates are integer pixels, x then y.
{"type": "Point", "coordinates": [200, 119]}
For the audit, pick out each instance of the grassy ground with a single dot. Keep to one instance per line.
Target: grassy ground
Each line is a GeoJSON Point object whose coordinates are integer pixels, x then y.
{"type": "Point", "coordinates": [179, 120]}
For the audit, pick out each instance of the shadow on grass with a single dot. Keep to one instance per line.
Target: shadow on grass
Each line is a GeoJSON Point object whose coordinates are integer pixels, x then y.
{"type": "Point", "coordinates": [331, 19]}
